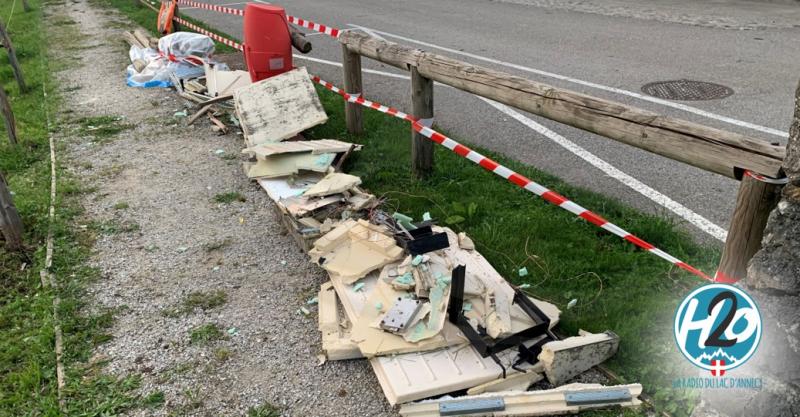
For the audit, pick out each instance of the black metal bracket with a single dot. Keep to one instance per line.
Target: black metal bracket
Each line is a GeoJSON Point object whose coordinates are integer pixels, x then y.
{"type": "Point", "coordinates": [487, 346]}
{"type": "Point", "coordinates": [422, 240]}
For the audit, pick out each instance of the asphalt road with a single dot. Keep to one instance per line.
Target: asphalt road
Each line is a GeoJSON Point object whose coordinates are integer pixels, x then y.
{"type": "Point", "coordinates": [603, 48]}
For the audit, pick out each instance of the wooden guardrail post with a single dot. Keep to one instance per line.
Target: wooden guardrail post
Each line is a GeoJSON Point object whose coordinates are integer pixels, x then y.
{"type": "Point", "coordinates": [754, 202]}
{"type": "Point", "coordinates": [10, 223]}
{"type": "Point", "coordinates": [8, 116]}
{"type": "Point", "coordinates": [422, 108]}
{"type": "Point", "coordinates": [12, 58]}
{"type": "Point", "coordinates": [351, 67]}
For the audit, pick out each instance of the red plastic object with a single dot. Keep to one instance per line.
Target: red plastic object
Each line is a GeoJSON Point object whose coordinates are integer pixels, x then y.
{"type": "Point", "coordinates": [267, 45]}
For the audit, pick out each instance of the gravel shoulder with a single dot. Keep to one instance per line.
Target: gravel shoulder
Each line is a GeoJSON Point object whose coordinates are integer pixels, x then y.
{"type": "Point", "coordinates": [161, 237]}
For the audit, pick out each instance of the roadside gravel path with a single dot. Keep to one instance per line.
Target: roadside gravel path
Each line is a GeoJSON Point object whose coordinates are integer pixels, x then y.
{"type": "Point", "coordinates": [161, 236]}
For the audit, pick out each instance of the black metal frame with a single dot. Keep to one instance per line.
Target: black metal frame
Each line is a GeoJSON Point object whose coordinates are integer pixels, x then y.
{"type": "Point", "coordinates": [422, 240]}
{"type": "Point", "coordinates": [478, 338]}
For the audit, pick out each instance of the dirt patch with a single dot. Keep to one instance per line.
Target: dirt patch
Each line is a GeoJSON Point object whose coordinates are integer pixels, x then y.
{"type": "Point", "coordinates": [206, 292]}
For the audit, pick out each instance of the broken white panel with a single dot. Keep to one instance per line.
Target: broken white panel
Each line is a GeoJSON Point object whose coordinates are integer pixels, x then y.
{"type": "Point", "coordinates": [414, 376]}
{"type": "Point", "coordinates": [282, 165]}
{"type": "Point", "coordinates": [300, 206]}
{"type": "Point", "coordinates": [286, 187]}
{"type": "Point", "coordinates": [359, 200]}
{"type": "Point", "coordinates": [220, 83]}
{"type": "Point", "coordinates": [498, 313]}
{"type": "Point", "coordinates": [516, 382]}
{"type": "Point", "coordinates": [353, 249]}
{"type": "Point", "coordinates": [567, 358]}
{"type": "Point", "coordinates": [336, 344]}
{"type": "Point", "coordinates": [333, 183]}
{"type": "Point", "coordinates": [354, 302]}
{"type": "Point", "coordinates": [569, 399]}
{"type": "Point", "coordinates": [464, 242]}
{"type": "Point", "coordinates": [278, 107]}
{"type": "Point", "coordinates": [373, 341]}
{"type": "Point", "coordinates": [314, 147]}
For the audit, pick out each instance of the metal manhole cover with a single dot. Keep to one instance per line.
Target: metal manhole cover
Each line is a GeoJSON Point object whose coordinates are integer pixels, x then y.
{"type": "Point", "coordinates": [687, 90]}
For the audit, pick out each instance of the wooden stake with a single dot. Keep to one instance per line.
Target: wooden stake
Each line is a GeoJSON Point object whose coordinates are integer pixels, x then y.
{"type": "Point", "coordinates": [199, 113]}
{"type": "Point", "coordinates": [754, 202]}
{"type": "Point", "coordinates": [12, 58]}
{"type": "Point", "coordinates": [422, 108]}
{"type": "Point", "coordinates": [8, 116]}
{"type": "Point", "coordinates": [351, 67]}
{"type": "Point", "coordinates": [10, 223]}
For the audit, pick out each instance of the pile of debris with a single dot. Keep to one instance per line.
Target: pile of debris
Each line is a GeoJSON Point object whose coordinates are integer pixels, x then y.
{"type": "Point", "coordinates": [415, 299]}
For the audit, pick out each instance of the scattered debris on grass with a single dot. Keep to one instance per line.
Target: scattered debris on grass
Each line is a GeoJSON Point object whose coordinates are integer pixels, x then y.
{"type": "Point", "coordinates": [418, 300]}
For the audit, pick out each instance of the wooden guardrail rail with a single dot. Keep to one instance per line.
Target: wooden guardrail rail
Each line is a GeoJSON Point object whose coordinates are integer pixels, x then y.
{"type": "Point", "coordinates": [711, 149]}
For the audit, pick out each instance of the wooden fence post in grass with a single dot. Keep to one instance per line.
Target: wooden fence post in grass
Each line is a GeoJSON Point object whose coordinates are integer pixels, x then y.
{"type": "Point", "coordinates": [754, 202]}
{"type": "Point", "coordinates": [10, 223]}
{"type": "Point", "coordinates": [351, 67]}
{"type": "Point", "coordinates": [8, 116]}
{"type": "Point", "coordinates": [422, 108]}
{"type": "Point", "coordinates": [12, 58]}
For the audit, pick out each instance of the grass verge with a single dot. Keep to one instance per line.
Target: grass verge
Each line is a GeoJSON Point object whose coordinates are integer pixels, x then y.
{"type": "Point", "coordinates": [617, 287]}
{"type": "Point", "coordinates": [27, 359]}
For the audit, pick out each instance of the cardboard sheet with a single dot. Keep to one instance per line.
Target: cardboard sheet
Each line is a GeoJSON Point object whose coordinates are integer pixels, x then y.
{"type": "Point", "coordinates": [278, 108]}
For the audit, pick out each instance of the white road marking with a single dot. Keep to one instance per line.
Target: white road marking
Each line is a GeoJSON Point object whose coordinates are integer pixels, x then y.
{"type": "Point", "coordinates": [339, 64]}
{"type": "Point", "coordinates": [369, 32]}
{"type": "Point", "coordinates": [684, 212]}
{"type": "Point", "coordinates": [651, 99]}
{"type": "Point", "coordinates": [680, 210]}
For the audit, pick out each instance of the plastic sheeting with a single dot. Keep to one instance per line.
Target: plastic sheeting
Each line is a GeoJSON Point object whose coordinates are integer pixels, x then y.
{"type": "Point", "coordinates": [181, 53]}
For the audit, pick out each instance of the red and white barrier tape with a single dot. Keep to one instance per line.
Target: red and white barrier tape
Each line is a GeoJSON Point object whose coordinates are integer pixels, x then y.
{"type": "Point", "coordinates": [212, 7]}
{"type": "Point", "coordinates": [333, 32]}
{"type": "Point", "coordinates": [513, 177]}
{"type": "Point", "coordinates": [210, 34]}
{"type": "Point", "coordinates": [330, 31]}
{"type": "Point", "coordinates": [768, 180]}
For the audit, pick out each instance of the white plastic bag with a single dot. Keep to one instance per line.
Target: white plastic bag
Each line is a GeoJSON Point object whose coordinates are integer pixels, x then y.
{"type": "Point", "coordinates": [183, 44]}
{"type": "Point", "coordinates": [181, 53]}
